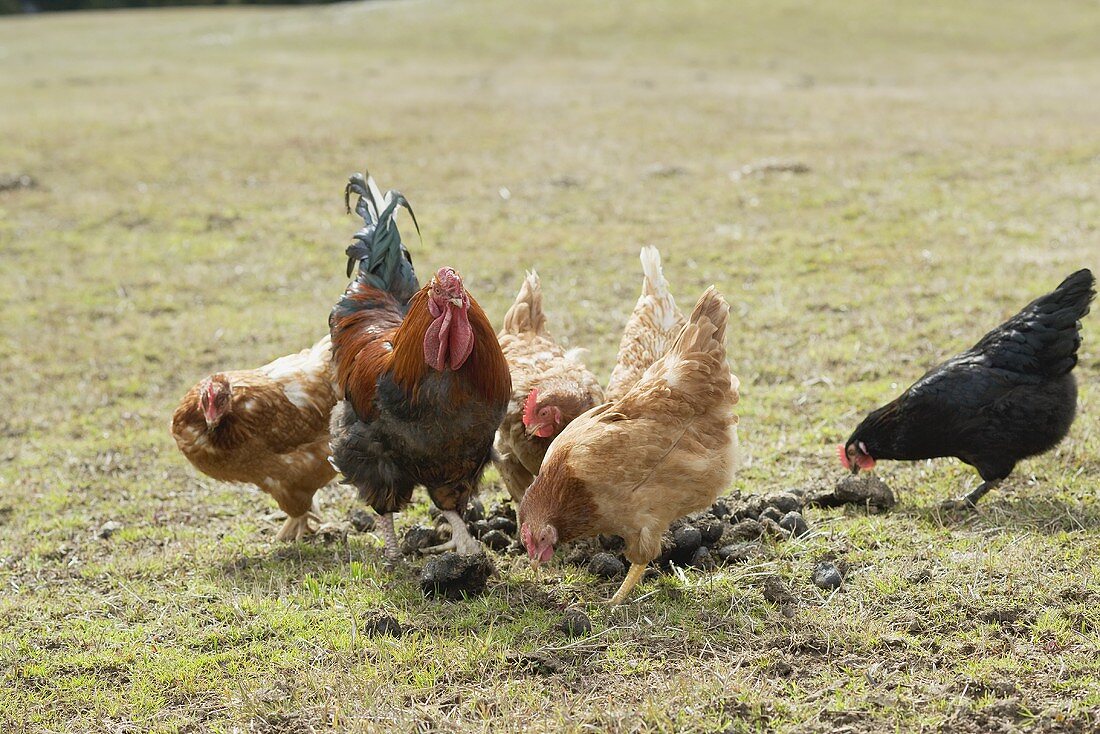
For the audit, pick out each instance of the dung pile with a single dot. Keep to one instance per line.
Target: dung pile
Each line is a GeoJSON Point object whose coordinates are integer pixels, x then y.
{"type": "Point", "coordinates": [729, 532]}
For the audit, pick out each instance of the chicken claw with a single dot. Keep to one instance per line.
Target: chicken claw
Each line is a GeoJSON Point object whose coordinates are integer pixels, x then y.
{"type": "Point", "coordinates": [969, 501]}
{"type": "Point", "coordinates": [637, 570]}
{"type": "Point", "coordinates": [296, 528]}
{"type": "Point", "coordinates": [461, 541]}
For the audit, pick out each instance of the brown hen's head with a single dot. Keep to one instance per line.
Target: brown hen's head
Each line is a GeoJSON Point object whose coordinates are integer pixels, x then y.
{"type": "Point", "coordinates": [542, 419]}
{"type": "Point", "coordinates": [539, 542]}
{"type": "Point", "coordinates": [449, 339]}
{"type": "Point", "coordinates": [215, 398]}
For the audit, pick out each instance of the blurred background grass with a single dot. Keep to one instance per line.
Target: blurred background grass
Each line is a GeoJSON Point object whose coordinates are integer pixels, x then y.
{"type": "Point", "coordinates": [872, 186]}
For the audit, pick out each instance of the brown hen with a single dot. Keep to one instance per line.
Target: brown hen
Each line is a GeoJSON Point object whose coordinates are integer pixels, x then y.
{"type": "Point", "coordinates": [550, 387]}
{"type": "Point", "coordinates": [268, 427]}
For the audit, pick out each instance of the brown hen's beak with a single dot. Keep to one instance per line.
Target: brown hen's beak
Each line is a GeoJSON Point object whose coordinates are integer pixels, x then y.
{"type": "Point", "coordinates": [531, 429]}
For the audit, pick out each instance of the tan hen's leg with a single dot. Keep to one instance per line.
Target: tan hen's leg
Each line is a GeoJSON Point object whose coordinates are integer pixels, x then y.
{"type": "Point", "coordinates": [299, 522]}
{"type": "Point", "coordinates": [637, 570]}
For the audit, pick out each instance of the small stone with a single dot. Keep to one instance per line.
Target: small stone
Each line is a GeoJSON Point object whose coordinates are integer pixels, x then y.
{"type": "Point", "coordinates": [771, 513]}
{"type": "Point", "coordinates": [776, 591]}
{"type": "Point", "coordinates": [687, 539]}
{"type": "Point", "coordinates": [332, 532]}
{"type": "Point", "coordinates": [752, 507]}
{"type": "Point", "coordinates": [783, 501]}
{"type": "Point", "coordinates": [382, 625]}
{"type": "Point", "coordinates": [827, 576]}
{"type": "Point", "coordinates": [794, 523]}
{"type": "Point", "coordinates": [611, 543]}
{"type": "Point", "coordinates": [772, 529]}
{"type": "Point", "coordinates": [453, 576]}
{"type": "Point", "coordinates": [502, 523]}
{"type": "Point", "coordinates": [496, 540]}
{"type": "Point", "coordinates": [478, 528]}
{"type": "Point", "coordinates": [702, 558]}
{"type": "Point", "coordinates": [578, 555]}
{"type": "Point", "coordinates": [606, 566]}
{"type": "Point", "coordinates": [744, 530]}
{"type": "Point", "coordinates": [741, 552]}
{"type": "Point", "coordinates": [720, 508]}
{"type": "Point", "coordinates": [681, 546]}
{"type": "Point", "coordinates": [419, 537]}
{"type": "Point", "coordinates": [575, 623]}
{"type": "Point", "coordinates": [502, 509]}
{"type": "Point", "coordinates": [109, 528]}
{"type": "Point", "coordinates": [474, 510]}
{"type": "Point", "coordinates": [710, 528]}
{"type": "Point", "coordinates": [865, 490]}
{"type": "Point", "coordinates": [361, 520]}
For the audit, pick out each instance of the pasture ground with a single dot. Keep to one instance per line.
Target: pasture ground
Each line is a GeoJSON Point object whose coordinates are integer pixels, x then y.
{"type": "Point", "coordinates": [184, 213]}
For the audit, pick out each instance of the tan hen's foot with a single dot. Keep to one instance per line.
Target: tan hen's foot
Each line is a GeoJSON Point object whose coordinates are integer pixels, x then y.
{"type": "Point", "coordinates": [296, 528]}
{"type": "Point", "coordinates": [637, 570]}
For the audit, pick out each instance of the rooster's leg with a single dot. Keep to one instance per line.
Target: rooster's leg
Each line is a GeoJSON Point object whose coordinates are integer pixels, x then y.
{"type": "Point", "coordinates": [389, 537]}
{"type": "Point", "coordinates": [637, 570]}
{"type": "Point", "coordinates": [461, 541]}
{"type": "Point", "coordinates": [970, 500]}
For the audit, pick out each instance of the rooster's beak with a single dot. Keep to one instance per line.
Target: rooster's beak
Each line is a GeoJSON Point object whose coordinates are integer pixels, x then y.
{"type": "Point", "coordinates": [456, 302]}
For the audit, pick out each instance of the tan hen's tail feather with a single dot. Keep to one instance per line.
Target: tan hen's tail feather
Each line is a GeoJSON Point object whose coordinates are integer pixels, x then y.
{"type": "Point", "coordinates": [653, 283]}
{"type": "Point", "coordinates": [525, 315]}
{"type": "Point", "coordinates": [705, 330]}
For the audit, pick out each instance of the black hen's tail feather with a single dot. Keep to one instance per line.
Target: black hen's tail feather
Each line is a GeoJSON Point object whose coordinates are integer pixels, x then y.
{"type": "Point", "coordinates": [384, 261]}
{"type": "Point", "coordinates": [1043, 338]}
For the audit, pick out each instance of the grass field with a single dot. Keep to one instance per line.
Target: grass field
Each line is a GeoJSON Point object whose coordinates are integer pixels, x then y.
{"type": "Point", "coordinates": [186, 215]}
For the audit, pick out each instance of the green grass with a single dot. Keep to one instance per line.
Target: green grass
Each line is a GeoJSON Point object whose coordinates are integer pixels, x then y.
{"type": "Point", "coordinates": [188, 217]}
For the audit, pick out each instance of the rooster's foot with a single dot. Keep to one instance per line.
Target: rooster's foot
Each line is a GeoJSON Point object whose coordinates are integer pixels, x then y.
{"type": "Point", "coordinates": [461, 541]}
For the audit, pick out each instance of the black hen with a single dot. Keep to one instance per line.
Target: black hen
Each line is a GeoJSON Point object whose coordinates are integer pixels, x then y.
{"type": "Point", "coordinates": [1010, 396]}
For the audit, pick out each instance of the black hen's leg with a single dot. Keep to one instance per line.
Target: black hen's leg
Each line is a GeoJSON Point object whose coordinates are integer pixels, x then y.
{"type": "Point", "coordinates": [969, 501]}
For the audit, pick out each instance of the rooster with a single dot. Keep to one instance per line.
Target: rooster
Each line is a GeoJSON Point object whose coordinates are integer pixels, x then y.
{"type": "Point", "coordinates": [1010, 396]}
{"type": "Point", "coordinates": [551, 387]}
{"type": "Point", "coordinates": [425, 382]}
{"type": "Point", "coordinates": [650, 330]}
{"type": "Point", "coordinates": [268, 427]}
{"type": "Point", "coordinates": [632, 466]}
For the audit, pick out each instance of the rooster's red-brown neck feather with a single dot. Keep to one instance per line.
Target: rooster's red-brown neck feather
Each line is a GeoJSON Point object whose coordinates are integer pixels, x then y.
{"type": "Point", "coordinates": [374, 342]}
